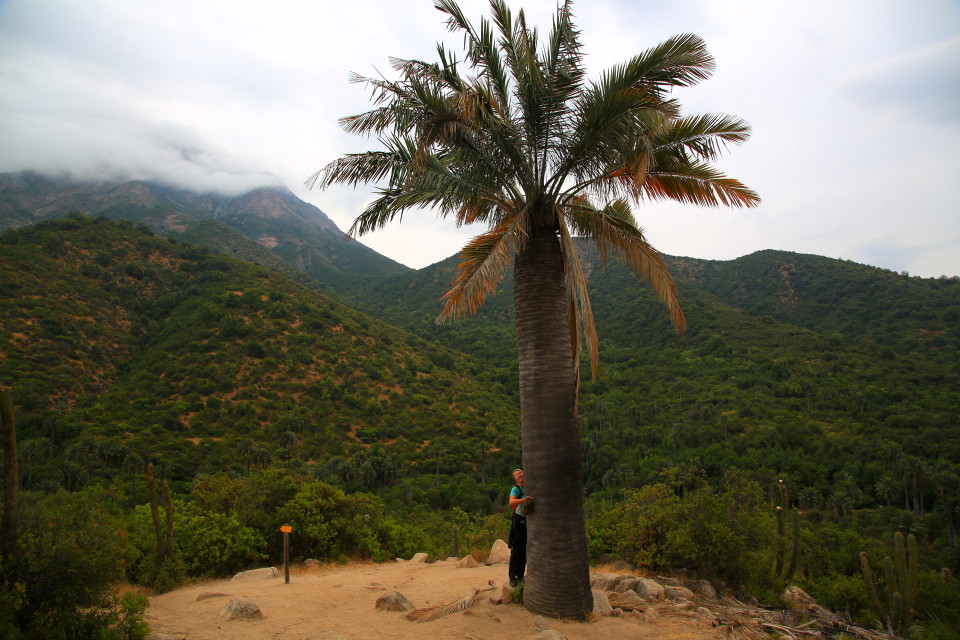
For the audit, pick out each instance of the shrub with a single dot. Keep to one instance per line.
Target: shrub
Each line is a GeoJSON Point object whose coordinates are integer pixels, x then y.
{"type": "Point", "coordinates": [728, 534]}
{"type": "Point", "coordinates": [71, 551]}
{"type": "Point", "coordinates": [328, 524]}
{"type": "Point", "coordinates": [205, 545]}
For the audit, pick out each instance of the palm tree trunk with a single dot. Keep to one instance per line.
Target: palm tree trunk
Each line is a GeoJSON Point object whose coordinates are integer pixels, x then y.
{"type": "Point", "coordinates": [558, 579]}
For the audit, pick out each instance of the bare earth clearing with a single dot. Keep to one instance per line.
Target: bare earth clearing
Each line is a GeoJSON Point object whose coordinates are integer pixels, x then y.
{"type": "Point", "coordinates": [342, 599]}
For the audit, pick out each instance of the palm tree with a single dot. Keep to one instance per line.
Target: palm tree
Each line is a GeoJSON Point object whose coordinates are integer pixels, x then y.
{"type": "Point", "coordinates": [33, 450]}
{"type": "Point", "coordinates": [516, 138]}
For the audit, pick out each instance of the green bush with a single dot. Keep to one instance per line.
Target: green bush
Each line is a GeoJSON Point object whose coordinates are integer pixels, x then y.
{"type": "Point", "coordinates": [72, 551]}
{"type": "Point", "coordinates": [331, 525]}
{"type": "Point", "coordinates": [728, 534]}
{"type": "Point", "coordinates": [205, 545]}
{"type": "Point", "coordinates": [843, 593]}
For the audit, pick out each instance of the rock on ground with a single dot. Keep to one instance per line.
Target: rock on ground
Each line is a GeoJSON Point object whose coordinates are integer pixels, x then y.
{"type": "Point", "coordinates": [601, 604]}
{"type": "Point", "coordinates": [394, 601]}
{"type": "Point", "coordinates": [266, 572]}
{"type": "Point", "coordinates": [499, 553]}
{"type": "Point", "coordinates": [240, 609]}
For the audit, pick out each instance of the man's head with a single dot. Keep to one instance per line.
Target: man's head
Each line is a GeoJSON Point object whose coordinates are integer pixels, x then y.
{"type": "Point", "coordinates": [518, 475]}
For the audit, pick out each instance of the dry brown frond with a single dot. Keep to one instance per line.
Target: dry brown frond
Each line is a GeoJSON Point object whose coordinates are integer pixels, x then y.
{"type": "Point", "coordinates": [463, 603]}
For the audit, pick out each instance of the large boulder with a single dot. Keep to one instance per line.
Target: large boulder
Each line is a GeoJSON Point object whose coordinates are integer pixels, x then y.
{"type": "Point", "coordinates": [499, 553]}
{"type": "Point", "coordinates": [241, 609]}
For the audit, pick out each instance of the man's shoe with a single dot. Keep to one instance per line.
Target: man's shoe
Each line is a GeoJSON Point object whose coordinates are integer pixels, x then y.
{"type": "Point", "coordinates": [513, 583]}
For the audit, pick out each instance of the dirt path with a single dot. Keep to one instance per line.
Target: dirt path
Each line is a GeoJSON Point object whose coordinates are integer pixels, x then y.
{"type": "Point", "coordinates": [342, 600]}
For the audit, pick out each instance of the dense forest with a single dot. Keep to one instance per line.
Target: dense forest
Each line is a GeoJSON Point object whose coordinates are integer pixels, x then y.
{"type": "Point", "coordinates": [161, 389]}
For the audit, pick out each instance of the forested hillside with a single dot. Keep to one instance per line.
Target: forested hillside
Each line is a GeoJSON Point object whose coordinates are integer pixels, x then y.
{"type": "Point", "coordinates": [125, 348]}
{"type": "Point", "coordinates": [263, 395]}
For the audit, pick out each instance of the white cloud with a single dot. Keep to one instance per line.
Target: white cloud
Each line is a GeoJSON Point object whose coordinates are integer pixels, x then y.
{"type": "Point", "coordinates": [853, 104]}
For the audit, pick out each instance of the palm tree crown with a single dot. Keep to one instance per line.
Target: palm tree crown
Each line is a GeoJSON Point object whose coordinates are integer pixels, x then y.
{"type": "Point", "coordinates": [517, 138]}
{"type": "Point", "coordinates": [526, 141]}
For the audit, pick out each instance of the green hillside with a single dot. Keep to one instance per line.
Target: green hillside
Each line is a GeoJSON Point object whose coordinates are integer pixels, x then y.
{"type": "Point", "coordinates": [123, 345]}
{"type": "Point", "coordinates": [263, 394]}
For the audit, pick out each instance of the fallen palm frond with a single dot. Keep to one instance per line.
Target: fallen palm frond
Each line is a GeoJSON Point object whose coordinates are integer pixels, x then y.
{"type": "Point", "coordinates": [460, 604]}
{"type": "Point", "coordinates": [737, 620]}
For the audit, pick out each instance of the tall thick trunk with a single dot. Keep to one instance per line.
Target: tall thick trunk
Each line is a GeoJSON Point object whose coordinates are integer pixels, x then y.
{"type": "Point", "coordinates": [558, 575]}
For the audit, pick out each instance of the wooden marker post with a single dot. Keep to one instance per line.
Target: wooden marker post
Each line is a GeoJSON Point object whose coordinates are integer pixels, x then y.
{"type": "Point", "coordinates": [286, 552]}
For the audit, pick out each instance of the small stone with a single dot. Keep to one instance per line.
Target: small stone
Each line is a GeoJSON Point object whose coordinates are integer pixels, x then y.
{"type": "Point", "coordinates": [240, 609]}
{"type": "Point", "coordinates": [601, 604]}
{"type": "Point", "coordinates": [394, 601]}
{"type": "Point", "coordinates": [499, 553]}
{"type": "Point", "coordinates": [326, 634]}
{"type": "Point", "coordinates": [539, 624]}
{"type": "Point", "coordinates": [550, 634]}
{"type": "Point", "coordinates": [798, 599]}
{"type": "Point", "coordinates": [266, 572]}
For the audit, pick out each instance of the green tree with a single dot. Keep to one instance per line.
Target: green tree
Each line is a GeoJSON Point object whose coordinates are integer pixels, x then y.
{"type": "Point", "coordinates": [524, 144]}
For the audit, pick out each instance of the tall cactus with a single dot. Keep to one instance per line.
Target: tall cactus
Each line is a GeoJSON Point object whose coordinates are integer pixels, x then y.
{"type": "Point", "coordinates": [791, 568]}
{"type": "Point", "coordinates": [164, 536]}
{"type": "Point", "coordinates": [11, 480]}
{"type": "Point", "coordinates": [168, 542]}
{"type": "Point", "coordinates": [900, 574]}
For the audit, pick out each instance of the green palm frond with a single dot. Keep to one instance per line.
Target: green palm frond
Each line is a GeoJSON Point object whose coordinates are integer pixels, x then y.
{"type": "Point", "coordinates": [515, 137]}
{"type": "Point", "coordinates": [705, 136]}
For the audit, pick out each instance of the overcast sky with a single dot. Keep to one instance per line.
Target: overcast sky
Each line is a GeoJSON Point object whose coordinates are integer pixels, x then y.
{"type": "Point", "coordinates": [855, 107]}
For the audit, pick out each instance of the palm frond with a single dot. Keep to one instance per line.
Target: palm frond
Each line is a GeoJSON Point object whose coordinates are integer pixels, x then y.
{"type": "Point", "coordinates": [583, 316]}
{"type": "Point", "coordinates": [484, 261]}
{"type": "Point", "coordinates": [705, 135]}
{"type": "Point", "coordinates": [428, 614]}
{"type": "Point", "coordinates": [697, 183]}
{"type": "Point", "coordinates": [614, 230]}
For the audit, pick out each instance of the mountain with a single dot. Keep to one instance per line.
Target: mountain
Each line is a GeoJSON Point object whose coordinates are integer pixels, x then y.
{"type": "Point", "coordinates": [284, 226]}
{"type": "Point", "coordinates": [793, 364]}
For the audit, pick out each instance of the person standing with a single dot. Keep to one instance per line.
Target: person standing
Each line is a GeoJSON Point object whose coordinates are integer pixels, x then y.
{"type": "Point", "coordinates": [520, 505]}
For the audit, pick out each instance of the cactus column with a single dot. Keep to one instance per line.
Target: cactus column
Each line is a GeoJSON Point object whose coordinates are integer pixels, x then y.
{"type": "Point", "coordinates": [11, 481]}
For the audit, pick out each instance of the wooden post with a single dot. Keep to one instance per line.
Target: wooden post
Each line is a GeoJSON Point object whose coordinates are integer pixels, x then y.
{"type": "Point", "coordinates": [286, 552]}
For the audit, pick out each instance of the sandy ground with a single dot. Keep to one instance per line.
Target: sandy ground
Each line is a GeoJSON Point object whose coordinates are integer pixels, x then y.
{"type": "Point", "coordinates": [342, 599]}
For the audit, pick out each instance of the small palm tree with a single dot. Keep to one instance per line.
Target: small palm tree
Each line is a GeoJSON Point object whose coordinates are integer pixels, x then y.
{"type": "Point", "coordinates": [516, 138]}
